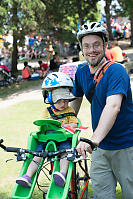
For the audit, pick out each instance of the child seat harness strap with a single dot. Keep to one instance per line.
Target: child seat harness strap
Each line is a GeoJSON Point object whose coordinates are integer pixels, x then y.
{"type": "Point", "coordinates": [98, 76]}
{"type": "Point", "coordinates": [56, 117]}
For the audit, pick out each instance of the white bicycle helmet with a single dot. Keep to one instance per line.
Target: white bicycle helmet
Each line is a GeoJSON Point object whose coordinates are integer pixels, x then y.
{"type": "Point", "coordinates": [52, 81]}
{"type": "Point", "coordinates": [92, 28]}
{"type": "Point", "coordinates": [57, 79]}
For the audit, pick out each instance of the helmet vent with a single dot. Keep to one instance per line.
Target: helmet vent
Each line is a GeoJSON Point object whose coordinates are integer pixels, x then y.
{"type": "Point", "coordinates": [85, 26]}
{"type": "Point", "coordinates": [55, 75]}
{"type": "Point", "coordinates": [99, 25]}
{"type": "Point", "coordinates": [49, 78]}
{"type": "Point", "coordinates": [92, 26]}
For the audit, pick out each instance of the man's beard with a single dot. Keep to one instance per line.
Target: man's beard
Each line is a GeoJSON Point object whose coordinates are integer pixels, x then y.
{"type": "Point", "coordinates": [95, 62]}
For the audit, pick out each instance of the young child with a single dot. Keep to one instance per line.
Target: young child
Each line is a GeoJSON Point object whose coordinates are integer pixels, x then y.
{"type": "Point", "coordinates": [59, 98]}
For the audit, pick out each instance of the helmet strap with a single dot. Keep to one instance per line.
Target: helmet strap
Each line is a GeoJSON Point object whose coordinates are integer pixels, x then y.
{"type": "Point", "coordinates": [53, 107]}
{"type": "Point", "coordinates": [50, 97]}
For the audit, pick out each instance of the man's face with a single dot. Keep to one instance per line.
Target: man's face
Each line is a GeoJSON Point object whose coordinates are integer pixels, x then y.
{"type": "Point", "coordinates": [93, 49]}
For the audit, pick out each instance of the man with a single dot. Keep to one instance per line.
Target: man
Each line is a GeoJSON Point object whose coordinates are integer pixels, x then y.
{"type": "Point", "coordinates": [112, 115]}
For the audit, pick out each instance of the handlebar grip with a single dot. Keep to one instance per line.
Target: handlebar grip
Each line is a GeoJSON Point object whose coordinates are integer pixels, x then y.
{"type": "Point", "coordinates": [1, 140]}
{"type": "Point", "coordinates": [12, 149]}
{"type": "Point", "coordinates": [93, 146]}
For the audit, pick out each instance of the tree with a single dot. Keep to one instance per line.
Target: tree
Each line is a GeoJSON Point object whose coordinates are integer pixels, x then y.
{"type": "Point", "coordinates": [108, 17]}
{"type": "Point", "coordinates": [65, 15]}
{"type": "Point", "coordinates": [131, 19]}
{"type": "Point", "coordinates": [83, 10]}
{"type": "Point", "coordinates": [49, 17]}
{"type": "Point", "coordinates": [20, 18]}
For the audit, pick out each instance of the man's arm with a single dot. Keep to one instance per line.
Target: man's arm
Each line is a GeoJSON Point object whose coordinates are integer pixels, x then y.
{"type": "Point", "coordinates": [106, 122]}
{"type": "Point", "coordinates": [76, 104]}
{"type": "Point", "coordinates": [108, 117]}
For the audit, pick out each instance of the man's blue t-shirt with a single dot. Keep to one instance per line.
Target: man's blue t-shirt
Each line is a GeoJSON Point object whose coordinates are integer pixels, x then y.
{"type": "Point", "coordinates": [114, 81]}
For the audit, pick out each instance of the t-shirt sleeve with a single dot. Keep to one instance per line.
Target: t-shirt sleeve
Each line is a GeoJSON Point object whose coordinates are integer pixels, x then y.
{"type": "Point", "coordinates": [118, 81]}
{"type": "Point", "coordinates": [77, 90]}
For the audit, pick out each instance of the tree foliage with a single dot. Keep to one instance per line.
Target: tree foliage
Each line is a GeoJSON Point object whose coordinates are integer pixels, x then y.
{"type": "Point", "coordinates": [50, 17]}
{"type": "Point", "coordinates": [19, 17]}
{"type": "Point", "coordinates": [43, 16]}
{"type": "Point", "coordinates": [63, 16]}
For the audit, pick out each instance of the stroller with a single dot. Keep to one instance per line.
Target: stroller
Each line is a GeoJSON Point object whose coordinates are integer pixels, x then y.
{"type": "Point", "coordinates": [5, 76]}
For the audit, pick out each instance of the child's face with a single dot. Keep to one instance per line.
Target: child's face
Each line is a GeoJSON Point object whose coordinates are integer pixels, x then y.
{"type": "Point", "coordinates": [61, 105]}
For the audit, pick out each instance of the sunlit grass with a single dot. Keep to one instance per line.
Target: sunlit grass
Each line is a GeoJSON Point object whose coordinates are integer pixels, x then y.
{"type": "Point", "coordinates": [18, 87]}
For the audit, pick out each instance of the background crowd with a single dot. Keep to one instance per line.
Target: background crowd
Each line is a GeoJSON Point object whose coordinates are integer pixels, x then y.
{"type": "Point", "coordinates": [51, 54]}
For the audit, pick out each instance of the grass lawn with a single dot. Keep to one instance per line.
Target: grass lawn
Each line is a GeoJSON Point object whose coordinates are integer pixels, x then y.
{"type": "Point", "coordinates": [15, 88]}
{"type": "Point", "coordinates": [16, 123]}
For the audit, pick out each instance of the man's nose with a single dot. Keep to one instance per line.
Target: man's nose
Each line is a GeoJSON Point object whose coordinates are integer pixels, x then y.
{"type": "Point", "coordinates": [91, 48]}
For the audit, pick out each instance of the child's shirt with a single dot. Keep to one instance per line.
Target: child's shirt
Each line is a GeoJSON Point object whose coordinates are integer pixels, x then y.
{"type": "Point", "coordinates": [65, 120]}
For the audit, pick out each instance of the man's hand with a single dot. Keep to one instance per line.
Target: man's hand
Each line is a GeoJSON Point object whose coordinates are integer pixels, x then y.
{"type": "Point", "coordinates": [83, 147]}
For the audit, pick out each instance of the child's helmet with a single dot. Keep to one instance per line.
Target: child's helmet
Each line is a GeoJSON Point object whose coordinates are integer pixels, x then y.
{"type": "Point", "coordinates": [57, 79]}
{"type": "Point", "coordinates": [93, 28]}
{"type": "Point", "coordinates": [52, 82]}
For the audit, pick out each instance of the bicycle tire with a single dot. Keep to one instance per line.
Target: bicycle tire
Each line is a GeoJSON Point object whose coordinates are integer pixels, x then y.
{"type": "Point", "coordinates": [44, 178]}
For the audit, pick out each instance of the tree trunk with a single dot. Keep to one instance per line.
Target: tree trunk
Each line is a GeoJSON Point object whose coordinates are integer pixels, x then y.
{"type": "Point", "coordinates": [15, 22]}
{"type": "Point", "coordinates": [131, 19]}
{"type": "Point", "coordinates": [14, 54]}
{"type": "Point", "coordinates": [108, 16]}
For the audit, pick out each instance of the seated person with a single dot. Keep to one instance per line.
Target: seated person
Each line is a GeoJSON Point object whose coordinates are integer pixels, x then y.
{"type": "Point", "coordinates": [55, 63]}
{"type": "Point", "coordinates": [50, 50]}
{"type": "Point", "coordinates": [126, 58]}
{"type": "Point", "coordinates": [108, 54]}
{"type": "Point", "coordinates": [30, 53]}
{"type": "Point", "coordinates": [117, 52]}
{"type": "Point", "coordinates": [58, 98]}
{"type": "Point", "coordinates": [43, 69]}
{"type": "Point", "coordinates": [26, 72]}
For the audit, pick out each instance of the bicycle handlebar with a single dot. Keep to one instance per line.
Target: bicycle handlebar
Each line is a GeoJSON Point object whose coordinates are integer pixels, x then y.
{"type": "Point", "coordinates": [71, 153]}
{"type": "Point", "coordinates": [12, 149]}
{"type": "Point", "coordinates": [39, 154]}
{"type": "Point", "coordinates": [1, 140]}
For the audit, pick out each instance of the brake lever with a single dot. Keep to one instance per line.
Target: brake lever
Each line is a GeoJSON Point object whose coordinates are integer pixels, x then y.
{"type": "Point", "coordinates": [19, 157]}
{"type": "Point", "coordinates": [11, 159]}
{"type": "Point", "coordinates": [73, 156]}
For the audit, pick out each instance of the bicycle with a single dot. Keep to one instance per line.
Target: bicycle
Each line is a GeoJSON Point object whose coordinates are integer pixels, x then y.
{"type": "Point", "coordinates": [51, 154]}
